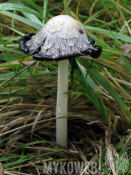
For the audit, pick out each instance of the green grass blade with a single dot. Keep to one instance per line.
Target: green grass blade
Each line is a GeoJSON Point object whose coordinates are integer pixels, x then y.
{"type": "Point", "coordinates": [19, 7]}
{"type": "Point", "coordinates": [88, 91]}
{"type": "Point", "coordinates": [21, 19]}
{"type": "Point", "coordinates": [29, 16]}
{"type": "Point", "coordinates": [108, 33]}
{"type": "Point", "coordinates": [103, 82]}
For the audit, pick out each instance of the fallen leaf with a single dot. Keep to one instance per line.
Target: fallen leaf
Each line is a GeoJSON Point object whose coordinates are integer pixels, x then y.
{"type": "Point", "coordinates": [1, 169]}
{"type": "Point", "coordinates": [126, 48]}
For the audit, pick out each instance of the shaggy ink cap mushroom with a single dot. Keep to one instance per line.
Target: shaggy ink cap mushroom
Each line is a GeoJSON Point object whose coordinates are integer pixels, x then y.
{"type": "Point", "coordinates": [62, 37]}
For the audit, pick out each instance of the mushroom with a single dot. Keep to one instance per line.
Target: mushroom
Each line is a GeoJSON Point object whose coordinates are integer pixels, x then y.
{"type": "Point", "coordinates": [60, 39]}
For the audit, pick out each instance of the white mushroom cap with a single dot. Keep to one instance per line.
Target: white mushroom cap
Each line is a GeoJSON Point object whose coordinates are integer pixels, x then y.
{"type": "Point", "coordinates": [60, 38]}
{"type": "Point", "coordinates": [72, 27]}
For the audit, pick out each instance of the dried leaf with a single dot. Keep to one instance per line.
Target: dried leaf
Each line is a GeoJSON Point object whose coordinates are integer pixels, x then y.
{"type": "Point", "coordinates": [1, 169]}
{"type": "Point", "coordinates": [126, 48]}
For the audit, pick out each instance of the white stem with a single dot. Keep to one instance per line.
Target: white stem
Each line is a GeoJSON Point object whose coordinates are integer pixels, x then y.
{"type": "Point", "coordinates": [61, 108]}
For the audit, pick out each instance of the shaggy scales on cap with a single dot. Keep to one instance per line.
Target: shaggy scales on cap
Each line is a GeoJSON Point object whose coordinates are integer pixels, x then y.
{"type": "Point", "coordinates": [62, 37]}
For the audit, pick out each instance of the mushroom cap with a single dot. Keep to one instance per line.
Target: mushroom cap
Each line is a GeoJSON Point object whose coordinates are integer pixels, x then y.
{"type": "Point", "coordinates": [62, 37]}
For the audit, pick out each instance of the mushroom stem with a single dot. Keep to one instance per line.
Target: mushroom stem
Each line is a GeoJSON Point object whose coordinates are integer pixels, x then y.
{"type": "Point", "coordinates": [61, 108]}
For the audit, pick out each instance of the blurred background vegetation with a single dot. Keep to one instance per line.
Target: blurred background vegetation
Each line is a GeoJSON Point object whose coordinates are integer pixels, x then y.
{"type": "Point", "coordinates": [99, 106]}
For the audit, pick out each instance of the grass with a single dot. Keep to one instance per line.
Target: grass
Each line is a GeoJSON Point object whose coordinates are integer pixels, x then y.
{"type": "Point", "coordinates": [99, 109]}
